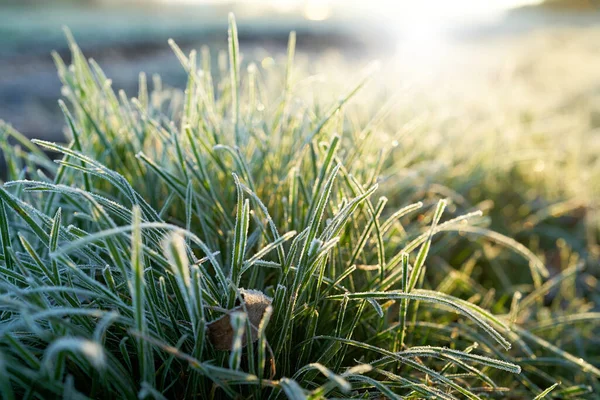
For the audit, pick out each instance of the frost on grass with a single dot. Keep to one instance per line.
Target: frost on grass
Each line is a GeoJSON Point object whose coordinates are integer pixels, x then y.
{"type": "Point", "coordinates": [231, 240]}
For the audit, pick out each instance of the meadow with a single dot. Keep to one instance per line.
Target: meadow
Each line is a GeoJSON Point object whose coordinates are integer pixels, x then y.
{"type": "Point", "coordinates": [297, 228]}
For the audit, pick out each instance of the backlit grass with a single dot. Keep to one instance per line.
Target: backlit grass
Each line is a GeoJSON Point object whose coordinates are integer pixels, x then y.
{"type": "Point", "coordinates": [165, 211]}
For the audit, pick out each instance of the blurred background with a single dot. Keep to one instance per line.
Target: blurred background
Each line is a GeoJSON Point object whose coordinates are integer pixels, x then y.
{"type": "Point", "coordinates": [457, 45]}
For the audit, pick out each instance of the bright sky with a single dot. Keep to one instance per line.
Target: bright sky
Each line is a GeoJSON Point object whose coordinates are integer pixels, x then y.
{"type": "Point", "coordinates": [434, 9]}
{"type": "Point", "coordinates": [421, 25]}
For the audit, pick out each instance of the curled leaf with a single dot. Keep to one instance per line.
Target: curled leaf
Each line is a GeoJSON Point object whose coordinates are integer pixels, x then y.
{"type": "Point", "coordinates": [220, 331]}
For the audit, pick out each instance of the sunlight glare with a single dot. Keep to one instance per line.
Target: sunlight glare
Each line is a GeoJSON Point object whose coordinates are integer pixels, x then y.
{"type": "Point", "coordinates": [422, 27]}
{"type": "Point", "coordinates": [317, 10]}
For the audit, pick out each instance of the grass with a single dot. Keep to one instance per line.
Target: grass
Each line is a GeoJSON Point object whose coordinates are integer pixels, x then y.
{"type": "Point", "coordinates": [242, 215]}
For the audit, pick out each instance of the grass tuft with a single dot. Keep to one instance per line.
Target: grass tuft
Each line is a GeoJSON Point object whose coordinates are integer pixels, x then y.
{"type": "Point", "coordinates": [232, 240]}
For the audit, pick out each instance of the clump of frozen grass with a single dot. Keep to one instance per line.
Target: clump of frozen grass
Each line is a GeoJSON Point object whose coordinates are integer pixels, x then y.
{"type": "Point", "coordinates": [230, 243]}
